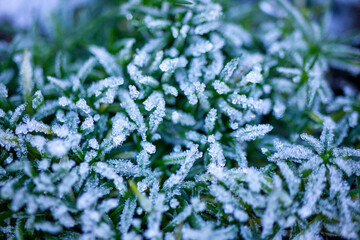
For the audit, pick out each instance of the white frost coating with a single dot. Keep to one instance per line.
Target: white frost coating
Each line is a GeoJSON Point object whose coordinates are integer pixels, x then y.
{"type": "Point", "coordinates": [170, 65]}
{"type": "Point", "coordinates": [221, 87]}
{"type": "Point", "coordinates": [252, 132]}
{"type": "Point", "coordinates": [106, 60]}
{"type": "Point", "coordinates": [229, 69]}
{"type": "Point", "coordinates": [314, 189]}
{"type": "Point", "coordinates": [191, 155]}
{"type": "Point", "coordinates": [82, 105]}
{"type": "Point", "coordinates": [210, 120]}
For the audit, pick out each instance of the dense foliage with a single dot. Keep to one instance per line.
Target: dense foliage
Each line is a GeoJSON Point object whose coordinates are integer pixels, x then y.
{"type": "Point", "coordinates": [187, 120]}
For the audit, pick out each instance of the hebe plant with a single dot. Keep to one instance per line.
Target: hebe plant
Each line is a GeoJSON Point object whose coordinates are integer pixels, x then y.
{"type": "Point", "coordinates": [198, 126]}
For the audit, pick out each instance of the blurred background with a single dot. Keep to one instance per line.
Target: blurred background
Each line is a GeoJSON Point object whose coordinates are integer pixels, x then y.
{"type": "Point", "coordinates": [72, 25]}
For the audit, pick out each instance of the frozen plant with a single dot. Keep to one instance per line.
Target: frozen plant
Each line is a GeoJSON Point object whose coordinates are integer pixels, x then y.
{"type": "Point", "coordinates": [193, 120]}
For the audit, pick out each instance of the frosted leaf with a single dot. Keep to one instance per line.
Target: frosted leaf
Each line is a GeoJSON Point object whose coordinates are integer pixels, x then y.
{"type": "Point", "coordinates": [108, 83]}
{"type": "Point", "coordinates": [61, 214]}
{"type": "Point", "coordinates": [3, 91]}
{"type": "Point", "coordinates": [148, 147]}
{"type": "Point", "coordinates": [48, 227]}
{"type": "Point", "coordinates": [152, 23]}
{"type": "Point", "coordinates": [170, 90]}
{"type": "Point", "coordinates": [17, 113]}
{"type": "Point", "coordinates": [108, 204]}
{"type": "Point", "coordinates": [208, 232]}
{"type": "Point", "coordinates": [174, 32]}
{"type": "Point", "coordinates": [289, 71]}
{"type": "Point", "coordinates": [311, 232]}
{"type": "Point", "coordinates": [7, 139]}
{"type": "Point", "coordinates": [127, 215]}
{"type": "Point", "coordinates": [246, 232]}
{"type": "Point", "coordinates": [200, 46]}
{"type": "Point", "coordinates": [43, 183]}
{"type": "Point", "coordinates": [206, 28]}
{"type": "Point", "coordinates": [134, 93]}
{"type": "Point", "coordinates": [251, 132]}
{"type": "Point", "coordinates": [234, 114]}
{"type": "Point", "coordinates": [156, 62]}
{"type": "Point", "coordinates": [216, 65]}
{"type": "Point", "coordinates": [229, 69]}
{"type": "Point", "coordinates": [182, 216]}
{"type": "Point", "coordinates": [155, 100]}
{"type": "Point", "coordinates": [18, 200]}
{"type": "Point", "coordinates": [346, 152]}
{"type": "Point", "coordinates": [327, 135]}
{"type": "Point", "coordinates": [170, 65]}
{"type": "Point", "coordinates": [184, 119]}
{"type": "Point", "coordinates": [141, 186]}
{"type": "Point", "coordinates": [235, 34]}
{"type": "Point", "coordinates": [207, 13]}
{"type": "Point", "coordinates": [26, 73]}
{"type": "Point", "coordinates": [106, 60]}
{"type": "Point", "coordinates": [86, 200]}
{"type": "Point", "coordinates": [82, 105]}
{"type": "Point", "coordinates": [137, 76]}
{"type": "Point", "coordinates": [225, 197]}
{"type": "Point", "coordinates": [248, 102]}
{"type": "Point", "coordinates": [64, 101]}
{"type": "Point", "coordinates": [175, 158]}
{"type": "Point", "coordinates": [133, 112]}
{"type": "Point", "coordinates": [315, 143]}
{"type": "Point", "coordinates": [210, 120]}
{"type": "Point", "coordinates": [37, 100]}
{"type": "Point", "coordinates": [216, 154]}
{"type": "Point", "coordinates": [67, 183]}
{"type": "Point", "coordinates": [293, 152]}
{"type": "Point", "coordinates": [279, 109]}
{"type": "Point", "coordinates": [58, 83]}
{"type": "Point", "coordinates": [88, 124]}
{"type": "Point", "coordinates": [143, 157]}
{"type": "Point", "coordinates": [31, 126]}
{"type": "Point", "coordinates": [57, 148]}
{"type": "Point", "coordinates": [93, 143]}
{"type": "Point", "coordinates": [254, 76]}
{"type": "Point", "coordinates": [86, 68]}
{"type": "Point", "coordinates": [292, 180]}
{"type": "Point", "coordinates": [221, 87]}
{"type": "Point", "coordinates": [353, 119]}
{"type": "Point", "coordinates": [191, 155]}
{"type": "Point", "coordinates": [174, 203]}
{"type": "Point", "coordinates": [313, 191]}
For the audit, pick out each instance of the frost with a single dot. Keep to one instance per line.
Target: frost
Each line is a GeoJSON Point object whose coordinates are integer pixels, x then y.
{"type": "Point", "coordinates": [93, 143]}
{"type": "Point", "coordinates": [82, 105]}
{"type": "Point", "coordinates": [314, 189]}
{"type": "Point", "coordinates": [252, 132]}
{"type": "Point", "coordinates": [57, 148]}
{"type": "Point", "coordinates": [200, 46]}
{"type": "Point", "coordinates": [37, 100]}
{"type": "Point", "coordinates": [106, 60]}
{"type": "Point", "coordinates": [253, 76]}
{"type": "Point", "coordinates": [127, 215]}
{"type": "Point", "coordinates": [216, 154]}
{"type": "Point", "coordinates": [191, 155]}
{"type": "Point", "coordinates": [170, 65]}
{"type": "Point", "coordinates": [229, 69]}
{"type": "Point", "coordinates": [221, 87]}
{"type": "Point", "coordinates": [210, 120]}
